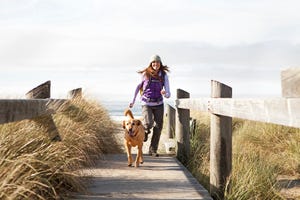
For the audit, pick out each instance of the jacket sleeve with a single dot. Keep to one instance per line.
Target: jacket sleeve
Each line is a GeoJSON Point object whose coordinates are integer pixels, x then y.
{"type": "Point", "coordinates": [137, 89]}
{"type": "Point", "coordinates": [167, 87]}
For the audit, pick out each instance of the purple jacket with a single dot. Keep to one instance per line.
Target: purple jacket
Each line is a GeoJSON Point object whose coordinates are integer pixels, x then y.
{"type": "Point", "coordinates": [151, 95]}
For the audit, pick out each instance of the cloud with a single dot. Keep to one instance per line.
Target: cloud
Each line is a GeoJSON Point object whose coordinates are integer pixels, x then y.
{"type": "Point", "coordinates": [50, 50]}
{"type": "Point", "coordinates": [244, 43]}
{"type": "Point", "coordinates": [213, 22]}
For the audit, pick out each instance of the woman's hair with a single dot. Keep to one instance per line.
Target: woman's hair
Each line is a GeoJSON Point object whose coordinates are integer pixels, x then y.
{"type": "Point", "coordinates": [150, 72]}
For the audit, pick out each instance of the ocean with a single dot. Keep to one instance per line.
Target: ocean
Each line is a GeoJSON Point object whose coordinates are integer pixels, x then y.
{"type": "Point", "coordinates": [116, 108]}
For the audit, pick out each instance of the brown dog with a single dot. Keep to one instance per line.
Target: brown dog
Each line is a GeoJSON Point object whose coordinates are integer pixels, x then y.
{"type": "Point", "coordinates": [134, 136]}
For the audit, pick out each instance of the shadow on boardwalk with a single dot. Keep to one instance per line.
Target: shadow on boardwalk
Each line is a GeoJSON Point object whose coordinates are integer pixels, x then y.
{"type": "Point", "coordinates": [158, 178]}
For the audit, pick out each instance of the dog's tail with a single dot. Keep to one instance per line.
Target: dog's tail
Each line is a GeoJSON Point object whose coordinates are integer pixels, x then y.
{"type": "Point", "coordinates": [128, 113]}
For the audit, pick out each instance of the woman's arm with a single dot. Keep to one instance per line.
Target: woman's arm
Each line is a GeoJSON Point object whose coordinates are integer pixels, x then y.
{"type": "Point", "coordinates": [166, 91]}
{"type": "Point", "coordinates": [137, 89]}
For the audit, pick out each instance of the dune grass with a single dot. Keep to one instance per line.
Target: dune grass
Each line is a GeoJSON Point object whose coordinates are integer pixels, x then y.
{"type": "Point", "coordinates": [261, 152]}
{"type": "Point", "coordinates": [34, 167]}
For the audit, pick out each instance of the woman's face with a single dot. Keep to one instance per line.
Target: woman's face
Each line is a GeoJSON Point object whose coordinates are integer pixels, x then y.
{"type": "Point", "coordinates": [155, 65]}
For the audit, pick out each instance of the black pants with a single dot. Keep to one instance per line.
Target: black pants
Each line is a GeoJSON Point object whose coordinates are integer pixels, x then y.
{"type": "Point", "coordinates": [153, 116]}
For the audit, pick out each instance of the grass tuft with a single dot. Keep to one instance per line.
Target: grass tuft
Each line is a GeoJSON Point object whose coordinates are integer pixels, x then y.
{"type": "Point", "coordinates": [34, 167]}
{"type": "Point", "coordinates": [261, 153]}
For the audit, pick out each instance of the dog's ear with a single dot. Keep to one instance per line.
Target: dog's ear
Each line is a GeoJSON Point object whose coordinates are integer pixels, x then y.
{"type": "Point", "coordinates": [123, 124]}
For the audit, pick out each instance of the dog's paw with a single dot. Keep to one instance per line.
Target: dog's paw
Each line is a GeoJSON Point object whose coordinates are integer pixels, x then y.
{"type": "Point", "coordinates": [129, 165]}
{"type": "Point", "coordinates": [142, 162]}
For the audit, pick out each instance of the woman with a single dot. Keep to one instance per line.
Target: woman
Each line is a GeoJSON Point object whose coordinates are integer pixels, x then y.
{"type": "Point", "coordinates": [154, 86]}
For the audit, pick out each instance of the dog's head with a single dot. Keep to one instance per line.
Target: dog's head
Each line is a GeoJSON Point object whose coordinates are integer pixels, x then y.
{"type": "Point", "coordinates": [131, 126]}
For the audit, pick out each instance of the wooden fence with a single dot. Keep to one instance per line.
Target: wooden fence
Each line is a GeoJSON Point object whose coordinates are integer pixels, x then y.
{"type": "Point", "coordinates": [221, 105]}
{"type": "Point", "coordinates": [38, 104]}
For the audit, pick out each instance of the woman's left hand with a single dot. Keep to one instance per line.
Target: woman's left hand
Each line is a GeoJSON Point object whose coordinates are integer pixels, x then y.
{"type": "Point", "coordinates": [130, 105]}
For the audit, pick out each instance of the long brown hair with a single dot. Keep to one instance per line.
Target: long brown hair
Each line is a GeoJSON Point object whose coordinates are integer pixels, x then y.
{"type": "Point", "coordinates": [150, 72]}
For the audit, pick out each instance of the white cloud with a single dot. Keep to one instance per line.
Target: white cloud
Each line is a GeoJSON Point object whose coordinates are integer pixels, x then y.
{"type": "Point", "coordinates": [87, 41]}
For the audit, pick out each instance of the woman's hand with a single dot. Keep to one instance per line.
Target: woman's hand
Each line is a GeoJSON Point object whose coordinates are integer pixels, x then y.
{"type": "Point", "coordinates": [130, 105]}
{"type": "Point", "coordinates": [164, 93]}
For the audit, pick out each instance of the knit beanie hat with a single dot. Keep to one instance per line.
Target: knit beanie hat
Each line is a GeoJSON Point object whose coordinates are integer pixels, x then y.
{"type": "Point", "coordinates": [155, 58]}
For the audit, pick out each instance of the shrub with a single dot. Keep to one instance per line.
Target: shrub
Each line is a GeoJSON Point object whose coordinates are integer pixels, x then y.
{"type": "Point", "coordinates": [34, 167]}
{"type": "Point", "coordinates": [261, 152]}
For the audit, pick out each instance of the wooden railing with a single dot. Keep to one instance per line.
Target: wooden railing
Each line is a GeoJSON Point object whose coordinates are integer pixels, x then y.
{"type": "Point", "coordinates": [283, 111]}
{"type": "Point", "coordinates": [38, 104]}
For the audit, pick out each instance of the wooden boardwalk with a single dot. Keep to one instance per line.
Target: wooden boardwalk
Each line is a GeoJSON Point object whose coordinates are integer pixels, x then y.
{"type": "Point", "coordinates": [158, 178]}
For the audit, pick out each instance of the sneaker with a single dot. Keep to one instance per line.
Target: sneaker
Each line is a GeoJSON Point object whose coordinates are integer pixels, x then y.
{"type": "Point", "coordinates": [155, 154]}
{"type": "Point", "coordinates": [146, 137]}
{"type": "Point", "coordinates": [150, 152]}
{"type": "Point", "coordinates": [147, 132]}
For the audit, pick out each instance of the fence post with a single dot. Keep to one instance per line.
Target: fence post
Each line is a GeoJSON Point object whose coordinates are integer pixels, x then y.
{"type": "Point", "coordinates": [170, 114]}
{"type": "Point", "coordinates": [182, 130]}
{"type": "Point", "coordinates": [290, 79]}
{"type": "Point", "coordinates": [42, 92]}
{"type": "Point", "coordinates": [220, 144]}
{"type": "Point", "coordinates": [76, 93]}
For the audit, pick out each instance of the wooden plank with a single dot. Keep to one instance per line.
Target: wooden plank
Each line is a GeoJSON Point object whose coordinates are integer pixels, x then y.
{"type": "Point", "coordinates": [275, 110]}
{"type": "Point", "coordinates": [56, 105]}
{"type": "Point", "coordinates": [163, 178]}
{"type": "Point", "coordinates": [12, 110]}
{"type": "Point", "coordinates": [200, 104]}
{"type": "Point", "coordinates": [290, 82]}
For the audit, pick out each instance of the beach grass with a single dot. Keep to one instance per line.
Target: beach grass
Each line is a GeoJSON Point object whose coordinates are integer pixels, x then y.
{"type": "Point", "coordinates": [32, 166]}
{"type": "Point", "coordinates": [261, 153]}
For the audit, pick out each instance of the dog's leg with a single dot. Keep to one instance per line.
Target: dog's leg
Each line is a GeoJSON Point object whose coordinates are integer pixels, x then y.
{"type": "Point", "coordinates": [128, 151]}
{"type": "Point", "coordinates": [139, 157]}
{"type": "Point", "coordinates": [141, 154]}
{"type": "Point", "coordinates": [129, 156]}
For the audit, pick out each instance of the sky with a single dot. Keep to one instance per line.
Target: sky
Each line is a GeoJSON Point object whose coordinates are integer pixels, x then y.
{"type": "Point", "coordinates": [100, 45]}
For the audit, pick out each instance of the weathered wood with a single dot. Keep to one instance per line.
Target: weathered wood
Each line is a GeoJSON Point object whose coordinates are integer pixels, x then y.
{"type": "Point", "coordinates": [163, 178]}
{"type": "Point", "coordinates": [12, 110]}
{"type": "Point", "coordinates": [290, 82]}
{"type": "Point", "coordinates": [283, 111]}
{"type": "Point", "coordinates": [200, 104]}
{"type": "Point", "coordinates": [170, 115]}
{"type": "Point", "coordinates": [76, 93]}
{"type": "Point", "coordinates": [220, 144]}
{"type": "Point", "coordinates": [47, 122]}
{"type": "Point", "coordinates": [40, 92]}
{"type": "Point", "coordinates": [182, 129]}
{"type": "Point", "coordinates": [56, 105]}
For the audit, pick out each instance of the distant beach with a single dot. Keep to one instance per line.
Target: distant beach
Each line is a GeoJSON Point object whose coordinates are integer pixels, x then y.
{"type": "Point", "coordinates": [116, 109]}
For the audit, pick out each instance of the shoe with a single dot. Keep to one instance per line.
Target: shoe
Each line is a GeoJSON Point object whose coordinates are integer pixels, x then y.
{"type": "Point", "coordinates": [147, 132]}
{"type": "Point", "coordinates": [146, 137]}
{"type": "Point", "coordinates": [150, 152]}
{"type": "Point", "coordinates": [155, 154]}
